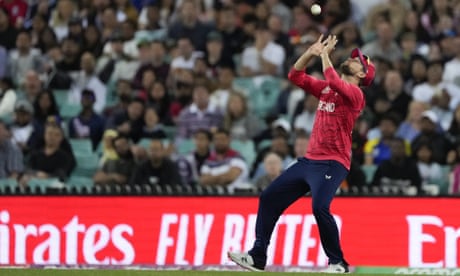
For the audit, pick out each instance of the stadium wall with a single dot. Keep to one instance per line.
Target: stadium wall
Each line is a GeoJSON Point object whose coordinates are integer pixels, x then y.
{"type": "Point", "coordinates": [414, 232]}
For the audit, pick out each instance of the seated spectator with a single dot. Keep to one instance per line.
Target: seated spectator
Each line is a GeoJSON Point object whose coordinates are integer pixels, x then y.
{"type": "Point", "coordinates": [220, 96]}
{"type": "Point", "coordinates": [440, 106]}
{"type": "Point", "coordinates": [277, 127]}
{"type": "Point", "coordinates": [11, 158]}
{"type": "Point", "coordinates": [155, 60]}
{"type": "Point", "coordinates": [215, 57]}
{"type": "Point", "coordinates": [88, 124]}
{"type": "Point", "coordinates": [225, 166]}
{"type": "Point", "coordinates": [7, 97]}
{"type": "Point", "coordinates": [442, 147]}
{"type": "Point", "coordinates": [158, 170]}
{"type": "Point", "coordinates": [152, 127]}
{"type": "Point", "coordinates": [31, 87]}
{"type": "Point", "coordinates": [22, 126]}
{"type": "Point", "coordinates": [190, 165]}
{"type": "Point", "coordinates": [199, 115]}
{"type": "Point", "coordinates": [23, 58]}
{"type": "Point", "coordinates": [355, 177]}
{"type": "Point", "coordinates": [108, 150]}
{"type": "Point", "coordinates": [399, 171]}
{"type": "Point", "coordinates": [273, 165]}
{"type": "Point", "coordinates": [429, 171]}
{"type": "Point", "coordinates": [265, 57]}
{"type": "Point", "coordinates": [50, 161]}
{"type": "Point", "coordinates": [410, 127]}
{"type": "Point", "coordinates": [87, 79]}
{"type": "Point", "coordinates": [301, 141]}
{"type": "Point", "coordinates": [238, 119]}
{"type": "Point", "coordinates": [453, 133]}
{"type": "Point", "coordinates": [124, 94]}
{"type": "Point", "coordinates": [378, 149]}
{"type": "Point", "coordinates": [183, 93]}
{"type": "Point", "coordinates": [158, 98]}
{"type": "Point", "coordinates": [280, 146]}
{"type": "Point", "coordinates": [117, 171]}
{"type": "Point", "coordinates": [185, 60]}
{"type": "Point", "coordinates": [129, 122]}
{"type": "Point", "coordinates": [304, 120]}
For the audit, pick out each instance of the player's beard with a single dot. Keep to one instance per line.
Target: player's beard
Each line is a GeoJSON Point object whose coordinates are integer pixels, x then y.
{"type": "Point", "coordinates": [345, 69]}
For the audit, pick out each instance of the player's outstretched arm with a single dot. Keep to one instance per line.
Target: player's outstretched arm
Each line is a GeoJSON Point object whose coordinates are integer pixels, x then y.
{"type": "Point", "coordinates": [313, 51]}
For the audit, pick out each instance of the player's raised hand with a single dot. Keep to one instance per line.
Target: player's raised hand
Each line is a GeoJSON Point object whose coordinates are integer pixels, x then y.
{"type": "Point", "coordinates": [329, 44]}
{"type": "Point", "coordinates": [317, 47]}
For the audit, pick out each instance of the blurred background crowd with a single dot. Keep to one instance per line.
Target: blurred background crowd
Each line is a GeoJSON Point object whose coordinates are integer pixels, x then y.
{"type": "Point", "coordinates": [194, 93]}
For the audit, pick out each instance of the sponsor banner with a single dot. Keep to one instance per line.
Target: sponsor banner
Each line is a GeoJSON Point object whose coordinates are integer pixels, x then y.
{"type": "Point", "coordinates": [196, 231]}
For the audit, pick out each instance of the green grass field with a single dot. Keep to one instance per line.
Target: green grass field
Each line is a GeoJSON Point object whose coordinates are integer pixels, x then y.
{"type": "Point", "coordinates": [83, 272]}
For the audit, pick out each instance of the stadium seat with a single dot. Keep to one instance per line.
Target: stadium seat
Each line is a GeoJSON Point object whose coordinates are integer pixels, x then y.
{"type": "Point", "coordinates": [263, 144]}
{"type": "Point", "coordinates": [7, 183]}
{"type": "Point", "coordinates": [443, 182]}
{"type": "Point", "coordinates": [39, 186]}
{"type": "Point", "coordinates": [185, 146]}
{"type": "Point", "coordinates": [81, 146]}
{"type": "Point", "coordinates": [80, 182]}
{"type": "Point", "coordinates": [69, 111]}
{"type": "Point", "coordinates": [246, 149]}
{"type": "Point", "coordinates": [245, 86]}
{"type": "Point", "coordinates": [369, 171]}
{"type": "Point", "coordinates": [170, 131]}
{"type": "Point", "coordinates": [87, 164]}
{"type": "Point", "coordinates": [61, 96]}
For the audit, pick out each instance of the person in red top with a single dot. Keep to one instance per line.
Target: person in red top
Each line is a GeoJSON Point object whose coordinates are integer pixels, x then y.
{"type": "Point", "coordinates": [328, 156]}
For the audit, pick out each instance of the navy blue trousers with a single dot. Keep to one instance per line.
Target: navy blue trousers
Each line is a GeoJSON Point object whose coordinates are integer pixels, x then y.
{"type": "Point", "coordinates": [322, 178]}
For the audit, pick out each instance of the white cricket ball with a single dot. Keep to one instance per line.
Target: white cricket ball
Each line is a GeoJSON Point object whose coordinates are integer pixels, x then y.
{"type": "Point", "coordinates": [315, 9]}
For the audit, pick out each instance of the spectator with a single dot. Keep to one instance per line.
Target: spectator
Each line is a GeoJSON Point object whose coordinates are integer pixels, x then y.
{"type": "Point", "coordinates": [8, 31]}
{"type": "Point", "coordinates": [417, 73]}
{"type": "Point", "coordinates": [75, 29]}
{"type": "Point", "coordinates": [304, 120]}
{"type": "Point", "coordinates": [87, 79]}
{"type": "Point", "coordinates": [23, 58]}
{"type": "Point", "coordinates": [384, 45]}
{"type": "Point", "coordinates": [301, 141]}
{"type": "Point", "coordinates": [190, 164]}
{"type": "Point", "coordinates": [108, 22]}
{"type": "Point", "coordinates": [125, 10]}
{"type": "Point", "coordinates": [187, 24]}
{"type": "Point", "coordinates": [378, 149]}
{"type": "Point", "coordinates": [92, 40]}
{"type": "Point", "coordinates": [124, 94]}
{"type": "Point", "coordinates": [263, 58]}
{"type": "Point", "coordinates": [22, 126]}
{"type": "Point", "coordinates": [215, 56]}
{"type": "Point", "coordinates": [440, 106]}
{"type": "Point", "coordinates": [3, 61]}
{"type": "Point", "coordinates": [129, 122]}
{"type": "Point", "coordinates": [32, 86]}
{"type": "Point", "coordinates": [88, 124]}
{"type": "Point", "coordinates": [452, 67]}
{"type": "Point", "coordinates": [61, 16]}
{"type": "Point", "coordinates": [47, 40]}
{"type": "Point", "coordinates": [155, 61]}
{"type": "Point", "coordinates": [159, 99]}
{"type": "Point", "coordinates": [232, 34]}
{"type": "Point", "coordinates": [356, 179]}
{"type": "Point", "coordinates": [453, 133]}
{"type": "Point", "coordinates": [158, 170]}
{"type": "Point", "coordinates": [225, 166]}
{"type": "Point", "coordinates": [117, 171]}
{"type": "Point", "coordinates": [410, 128]}
{"type": "Point", "coordinates": [11, 159]}
{"type": "Point", "coordinates": [49, 161]}
{"type": "Point", "coordinates": [183, 93]}
{"type": "Point", "coordinates": [273, 165]}
{"type": "Point", "coordinates": [199, 115]}
{"type": "Point", "coordinates": [442, 147]}
{"type": "Point", "coordinates": [220, 96]}
{"type": "Point", "coordinates": [239, 121]}
{"type": "Point", "coordinates": [349, 37]}
{"type": "Point", "coordinates": [108, 150]}
{"type": "Point", "coordinates": [7, 97]}
{"type": "Point", "coordinates": [434, 85]}
{"type": "Point", "coordinates": [429, 170]}
{"type": "Point", "coordinates": [153, 129]}
{"type": "Point", "coordinates": [186, 55]}
{"type": "Point", "coordinates": [17, 9]}
{"type": "Point", "coordinates": [149, 18]}
{"type": "Point", "coordinates": [71, 50]}
{"type": "Point", "coordinates": [280, 146]}
{"type": "Point", "coordinates": [399, 171]}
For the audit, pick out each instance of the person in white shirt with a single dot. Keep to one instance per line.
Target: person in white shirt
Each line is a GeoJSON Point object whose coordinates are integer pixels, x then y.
{"type": "Point", "coordinates": [452, 67]}
{"type": "Point", "coordinates": [304, 121]}
{"type": "Point", "coordinates": [87, 78]}
{"type": "Point", "coordinates": [187, 55]}
{"type": "Point", "coordinates": [434, 86]}
{"type": "Point", "coordinates": [265, 57]}
{"type": "Point", "coordinates": [7, 97]}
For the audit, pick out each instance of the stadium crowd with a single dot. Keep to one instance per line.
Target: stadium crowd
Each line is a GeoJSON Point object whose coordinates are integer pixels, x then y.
{"type": "Point", "coordinates": [195, 92]}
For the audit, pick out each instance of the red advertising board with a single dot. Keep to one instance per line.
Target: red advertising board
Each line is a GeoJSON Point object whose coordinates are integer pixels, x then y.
{"type": "Point", "coordinates": [416, 232]}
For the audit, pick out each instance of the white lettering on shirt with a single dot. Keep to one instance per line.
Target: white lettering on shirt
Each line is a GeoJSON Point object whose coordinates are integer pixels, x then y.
{"type": "Point", "coordinates": [325, 106]}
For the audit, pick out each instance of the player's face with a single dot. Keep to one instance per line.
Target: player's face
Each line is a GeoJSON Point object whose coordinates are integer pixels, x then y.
{"type": "Point", "coordinates": [351, 66]}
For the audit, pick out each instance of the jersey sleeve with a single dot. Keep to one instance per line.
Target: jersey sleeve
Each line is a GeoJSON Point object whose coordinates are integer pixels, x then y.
{"type": "Point", "coordinates": [308, 83]}
{"type": "Point", "coordinates": [350, 92]}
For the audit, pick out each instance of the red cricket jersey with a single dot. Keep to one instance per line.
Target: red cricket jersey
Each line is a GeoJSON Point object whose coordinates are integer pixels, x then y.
{"type": "Point", "coordinates": [340, 103]}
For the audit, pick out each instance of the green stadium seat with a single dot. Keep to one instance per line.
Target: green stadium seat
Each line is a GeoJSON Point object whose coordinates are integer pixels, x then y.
{"type": "Point", "coordinates": [246, 148]}
{"type": "Point", "coordinates": [69, 111]}
{"type": "Point", "coordinates": [265, 99]}
{"type": "Point", "coordinates": [80, 182]}
{"type": "Point", "coordinates": [185, 146]}
{"type": "Point", "coordinates": [87, 164]}
{"type": "Point", "coordinates": [61, 96]}
{"type": "Point", "coordinates": [263, 144]}
{"type": "Point", "coordinates": [38, 185]}
{"type": "Point", "coordinates": [443, 182]}
{"type": "Point", "coordinates": [81, 146]}
{"type": "Point", "coordinates": [244, 85]}
{"type": "Point", "coordinates": [170, 131]}
{"type": "Point", "coordinates": [7, 182]}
